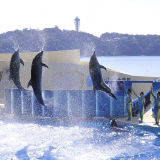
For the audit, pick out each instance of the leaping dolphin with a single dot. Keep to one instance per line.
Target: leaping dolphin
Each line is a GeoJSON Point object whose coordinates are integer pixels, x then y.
{"type": "Point", "coordinates": [14, 69]}
{"type": "Point", "coordinates": [96, 76]}
{"type": "Point", "coordinates": [36, 76]}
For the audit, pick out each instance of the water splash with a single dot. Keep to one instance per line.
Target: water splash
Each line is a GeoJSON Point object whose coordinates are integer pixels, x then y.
{"type": "Point", "coordinates": [42, 44]}
{"type": "Point", "coordinates": [113, 84]}
{"type": "Point", "coordinates": [89, 48]}
{"type": "Point", "coordinates": [5, 81]}
{"type": "Point", "coordinates": [14, 42]}
{"type": "Point", "coordinates": [33, 141]}
{"type": "Point", "coordinates": [42, 40]}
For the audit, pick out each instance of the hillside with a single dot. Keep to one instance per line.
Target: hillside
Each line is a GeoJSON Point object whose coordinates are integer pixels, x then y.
{"type": "Point", "coordinates": [52, 39]}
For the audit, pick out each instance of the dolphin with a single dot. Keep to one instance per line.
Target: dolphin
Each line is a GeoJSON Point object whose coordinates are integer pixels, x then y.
{"type": "Point", "coordinates": [36, 77]}
{"type": "Point", "coordinates": [14, 69]}
{"type": "Point", "coordinates": [113, 123]}
{"type": "Point", "coordinates": [96, 76]}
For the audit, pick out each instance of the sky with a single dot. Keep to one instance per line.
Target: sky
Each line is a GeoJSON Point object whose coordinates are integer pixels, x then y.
{"type": "Point", "coordinates": [96, 16]}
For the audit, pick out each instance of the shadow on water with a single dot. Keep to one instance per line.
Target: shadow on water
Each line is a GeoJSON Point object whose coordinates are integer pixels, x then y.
{"type": "Point", "coordinates": [48, 154]}
{"type": "Point", "coordinates": [155, 131]}
{"type": "Point", "coordinates": [157, 141]}
{"type": "Point", "coordinates": [22, 154]}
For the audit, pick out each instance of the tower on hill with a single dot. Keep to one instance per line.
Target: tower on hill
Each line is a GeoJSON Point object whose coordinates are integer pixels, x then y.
{"type": "Point", "coordinates": [77, 23]}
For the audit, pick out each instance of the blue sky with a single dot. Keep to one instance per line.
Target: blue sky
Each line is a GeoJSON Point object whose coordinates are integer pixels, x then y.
{"type": "Point", "coordinates": [97, 16]}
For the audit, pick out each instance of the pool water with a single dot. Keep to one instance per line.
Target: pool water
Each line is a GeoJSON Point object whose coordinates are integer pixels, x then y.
{"type": "Point", "coordinates": [133, 65]}
{"type": "Point", "coordinates": [86, 141]}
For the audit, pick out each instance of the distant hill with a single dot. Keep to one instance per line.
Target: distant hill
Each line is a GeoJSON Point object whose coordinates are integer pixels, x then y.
{"type": "Point", "coordinates": [52, 39]}
{"type": "Point", "coordinates": [132, 45]}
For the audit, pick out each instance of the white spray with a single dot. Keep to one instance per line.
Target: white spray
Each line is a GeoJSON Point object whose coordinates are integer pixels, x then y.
{"type": "Point", "coordinates": [42, 40]}
{"type": "Point", "coordinates": [113, 85]}
{"type": "Point", "coordinates": [14, 42]}
{"type": "Point", "coordinates": [88, 48]}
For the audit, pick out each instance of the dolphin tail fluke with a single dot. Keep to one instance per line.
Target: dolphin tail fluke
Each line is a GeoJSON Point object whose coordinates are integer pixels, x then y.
{"type": "Point", "coordinates": [29, 84]}
{"type": "Point", "coordinates": [113, 96]}
{"type": "Point", "coordinates": [42, 103]}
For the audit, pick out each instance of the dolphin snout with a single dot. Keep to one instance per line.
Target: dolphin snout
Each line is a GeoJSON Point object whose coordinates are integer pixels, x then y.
{"type": "Point", "coordinates": [41, 52]}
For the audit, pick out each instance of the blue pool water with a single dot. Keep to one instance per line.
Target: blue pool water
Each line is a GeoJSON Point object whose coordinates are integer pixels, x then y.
{"type": "Point", "coordinates": [133, 65]}
{"type": "Point", "coordinates": [86, 141]}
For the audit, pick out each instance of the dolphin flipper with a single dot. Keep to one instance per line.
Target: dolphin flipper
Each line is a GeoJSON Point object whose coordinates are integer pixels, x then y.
{"type": "Point", "coordinates": [21, 61]}
{"type": "Point", "coordinates": [44, 65]}
{"type": "Point", "coordinates": [103, 67]}
{"type": "Point", "coordinates": [29, 84]}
